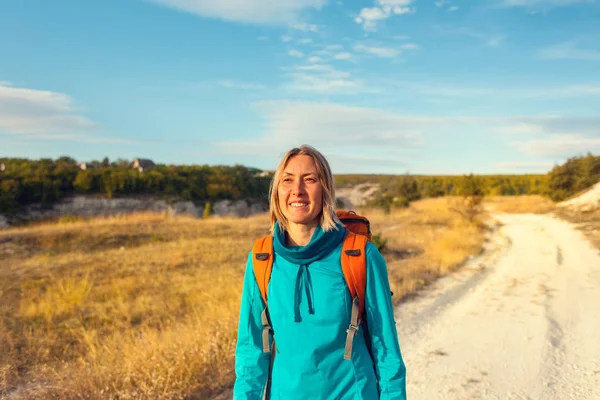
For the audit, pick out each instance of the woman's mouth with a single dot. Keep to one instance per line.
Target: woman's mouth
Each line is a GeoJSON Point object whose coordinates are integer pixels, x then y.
{"type": "Point", "coordinates": [298, 204]}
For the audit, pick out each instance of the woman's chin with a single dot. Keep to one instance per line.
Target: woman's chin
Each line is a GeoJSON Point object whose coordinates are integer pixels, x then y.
{"type": "Point", "coordinates": [303, 220]}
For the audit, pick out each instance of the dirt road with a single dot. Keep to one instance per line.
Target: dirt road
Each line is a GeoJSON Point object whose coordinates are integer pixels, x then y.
{"type": "Point", "coordinates": [520, 322]}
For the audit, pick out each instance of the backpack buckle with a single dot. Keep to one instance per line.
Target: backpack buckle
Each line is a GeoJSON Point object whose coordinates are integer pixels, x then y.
{"type": "Point", "coordinates": [353, 328]}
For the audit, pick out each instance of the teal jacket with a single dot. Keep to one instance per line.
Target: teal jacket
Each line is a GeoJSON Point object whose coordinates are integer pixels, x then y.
{"type": "Point", "coordinates": [310, 308]}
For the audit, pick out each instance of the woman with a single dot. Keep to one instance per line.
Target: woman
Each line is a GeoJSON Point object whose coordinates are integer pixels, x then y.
{"type": "Point", "coordinates": [309, 305]}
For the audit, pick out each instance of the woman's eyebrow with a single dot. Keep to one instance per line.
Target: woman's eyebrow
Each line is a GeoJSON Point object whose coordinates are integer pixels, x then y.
{"type": "Point", "coordinates": [306, 174]}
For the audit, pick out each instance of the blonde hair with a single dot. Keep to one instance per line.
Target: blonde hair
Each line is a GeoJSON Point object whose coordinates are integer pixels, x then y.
{"type": "Point", "coordinates": [329, 219]}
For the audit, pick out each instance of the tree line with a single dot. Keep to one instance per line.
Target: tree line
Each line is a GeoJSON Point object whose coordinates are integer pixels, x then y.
{"type": "Point", "coordinates": [563, 181]}
{"type": "Point", "coordinates": [400, 190]}
{"type": "Point", "coordinates": [47, 181]}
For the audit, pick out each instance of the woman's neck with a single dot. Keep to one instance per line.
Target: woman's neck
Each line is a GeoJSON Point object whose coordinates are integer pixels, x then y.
{"type": "Point", "coordinates": [299, 234]}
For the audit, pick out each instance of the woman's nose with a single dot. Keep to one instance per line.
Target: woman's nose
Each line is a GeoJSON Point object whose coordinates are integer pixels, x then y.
{"type": "Point", "coordinates": [298, 187]}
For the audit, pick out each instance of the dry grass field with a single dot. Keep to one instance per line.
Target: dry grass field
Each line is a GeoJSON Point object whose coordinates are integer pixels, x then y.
{"type": "Point", "coordinates": [146, 306]}
{"type": "Point", "coordinates": [520, 204]}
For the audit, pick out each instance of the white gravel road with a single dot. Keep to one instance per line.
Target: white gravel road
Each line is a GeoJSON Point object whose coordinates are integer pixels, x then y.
{"type": "Point", "coordinates": [520, 322]}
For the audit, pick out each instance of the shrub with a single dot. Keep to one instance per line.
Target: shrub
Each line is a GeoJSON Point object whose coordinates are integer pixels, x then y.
{"type": "Point", "coordinates": [379, 242]}
{"type": "Point", "coordinates": [208, 210]}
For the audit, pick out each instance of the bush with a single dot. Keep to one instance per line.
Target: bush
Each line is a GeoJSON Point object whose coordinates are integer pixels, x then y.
{"type": "Point", "coordinates": [379, 242]}
{"type": "Point", "coordinates": [401, 202]}
{"type": "Point", "coordinates": [208, 210]}
{"type": "Point", "coordinates": [469, 207]}
{"type": "Point", "coordinates": [575, 175]}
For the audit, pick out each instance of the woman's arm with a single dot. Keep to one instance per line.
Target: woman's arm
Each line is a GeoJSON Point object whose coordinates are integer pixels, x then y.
{"type": "Point", "coordinates": [389, 366]}
{"type": "Point", "coordinates": [251, 364]}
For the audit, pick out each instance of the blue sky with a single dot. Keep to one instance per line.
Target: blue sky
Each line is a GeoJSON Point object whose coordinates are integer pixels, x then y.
{"type": "Point", "coordinates": [379, 86]}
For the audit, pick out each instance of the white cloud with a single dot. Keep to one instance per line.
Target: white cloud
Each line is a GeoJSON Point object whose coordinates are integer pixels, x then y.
{"type": "Point", "coordinates": [322, 78]}
{"type": "Point", "coordinates": [322, 68]}
{"type": "Point", "coordinates": [560, 145]}
{"type": "Point", "coordinates": [372, 48]}
{"type": "Point", "coordinates": [385, 52]}
{"type": "Point", "coordinates": [30, 111]}
{"type": "Point", "coordinates": [366, 132]}
{"type": "Point", "coordinates": [327, 52]}
{"type": "Point", "coordinates": [409, 46]}
{"type": "Point", "coordinates": [262, 38]}
{"type": "Point", "coordinates": [314, 59]}
{"type": "Point", "coordinates": [369, 17]}
{"type": "Point", "coordinates": [327, 126]}
{"type": "Point", "coordinates": [495, 40]}
{"type": "Point", "coordinates": [306, 27]}
{"type": "Point", "coordinates": [259, 12]}
{"type": "Point", "coordinates": [490, 40]}
{"type": "Point", "coordinates": [240, 85]}
{"type": "Point", "coordinates": [560, 125]}
{"type": "Point", "coordinates": [442, 3]}
{"type": "Point", "coordinates": [549, 92]}
{"type": "Point", "coordinates": [554, 136]}
{"type": "Point", "coordinates": [343, 56]}
{"type": "Point", "coordinates": [295, 53]}
{"type": "Point", "coordinates": [305, 41]}
{"type": "Point", "coordinates": [286, 38]}
{"type": "Point", "coordinates": [323, 84]}
{"type": "Point", "coordinates": [569, 51]}
{"type": "Point", "coordinates": [521, 129]}
{"type": "Point", "coordinates": [394, 3]}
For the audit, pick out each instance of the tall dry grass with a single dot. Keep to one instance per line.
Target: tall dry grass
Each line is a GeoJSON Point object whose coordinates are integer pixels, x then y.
{"type": "Point", "coordinates": [427, 240]}
{"type": "Point", "coordinates": [146, 306]}
{"type": "Point", "coordinates": [520, 204]}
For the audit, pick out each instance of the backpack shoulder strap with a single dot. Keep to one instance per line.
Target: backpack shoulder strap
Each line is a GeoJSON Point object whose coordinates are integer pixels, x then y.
{"type": "Point", "coordinates": [354, 266]}
{"type": "Point", "coordinates": [262, 263]}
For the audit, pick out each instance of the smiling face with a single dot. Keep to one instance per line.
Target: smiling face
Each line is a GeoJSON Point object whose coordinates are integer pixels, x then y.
{"type": "Point", "coordinates": [300, 192]}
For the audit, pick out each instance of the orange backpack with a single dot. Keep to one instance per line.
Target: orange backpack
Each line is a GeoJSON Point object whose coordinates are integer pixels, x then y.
{"type": "Point", "coordinates": [353, 261]}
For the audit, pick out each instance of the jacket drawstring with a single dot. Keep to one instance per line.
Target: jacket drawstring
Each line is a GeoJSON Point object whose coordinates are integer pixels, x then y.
{"type": "Point", "coordinates": [303, 278]}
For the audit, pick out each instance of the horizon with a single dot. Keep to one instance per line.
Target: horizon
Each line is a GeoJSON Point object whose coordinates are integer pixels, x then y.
{"type": "Point", "coordinates": [380, 87]}
{"type": "Point", "coordinates": [120, 159]}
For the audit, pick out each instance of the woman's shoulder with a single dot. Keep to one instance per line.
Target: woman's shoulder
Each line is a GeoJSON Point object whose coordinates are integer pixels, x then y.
{"type": "Point", "coordinates": [371, 250]}
{"type": "Point", "coordinates": [374, 257]}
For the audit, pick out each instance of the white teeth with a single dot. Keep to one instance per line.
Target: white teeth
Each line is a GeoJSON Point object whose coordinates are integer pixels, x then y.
{"type": "Point", "coordinates": [298, 204]}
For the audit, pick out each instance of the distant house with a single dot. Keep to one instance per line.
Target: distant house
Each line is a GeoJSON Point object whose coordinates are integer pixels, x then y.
{"type": "Point", "coordinates": [265, 173]}
{"type": "Point", "coordinates": [2, 167]}
{"type": "Point", "coordinates": [89, 165]}
{"type": "Point", "coordinates": [142, 164]}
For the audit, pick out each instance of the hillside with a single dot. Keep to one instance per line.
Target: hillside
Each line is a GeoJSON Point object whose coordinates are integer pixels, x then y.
{"type": "Point", "coordinates": [586, 201]}
{"type": "Point", "coordinates": [583, 210]}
